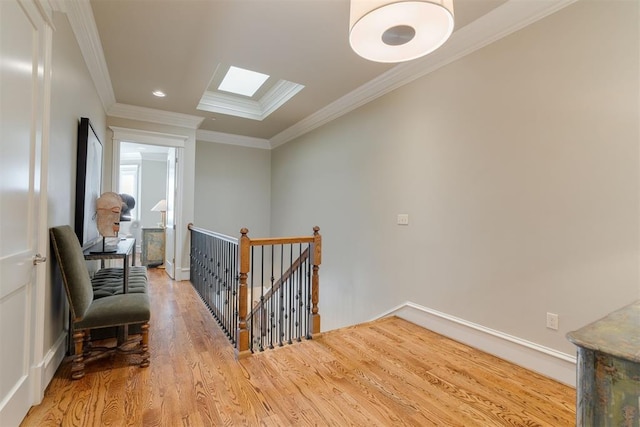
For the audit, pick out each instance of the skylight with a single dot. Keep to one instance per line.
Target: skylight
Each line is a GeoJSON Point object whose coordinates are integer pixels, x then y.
{"type": "Point", "coordinates": [242, 82]}
{"type": "Point", "coordinates": [238, 92]}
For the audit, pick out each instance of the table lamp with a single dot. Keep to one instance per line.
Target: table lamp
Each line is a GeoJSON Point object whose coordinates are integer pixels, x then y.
{"type": "Point", "coordinates": [161, 207]}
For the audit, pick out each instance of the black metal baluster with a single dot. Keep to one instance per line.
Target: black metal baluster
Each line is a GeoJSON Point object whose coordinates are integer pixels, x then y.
{"type": "Point", "coordinates": [261, 310]}
{"type": "Point", "coordinates": [249, 311]}
{"type": "Point", "coordinates": [211, 276]}
{"type": "Point", "coordinates": [208, 273]}
{"type": "Point", "coordinates": [220, 273]}
{"type": "Point", "coordinates": [236, 284]}
{"type": "Point", "coordinates": [227, 283]}
{"type": "Point", "coordinates": [271, 290]}
{"type": "Point", "coordinates": [215, 300]}
{"type": "Point", "coordinates": [299, 294]}
{"type": "Point", "coordinates": [281, 300]}
{"type": "Point", "coordinates": [223, 284]}
{"type": "Point", "coordinates": [308, 287]}
{"type": "Point", "coordinates": [290, 306]}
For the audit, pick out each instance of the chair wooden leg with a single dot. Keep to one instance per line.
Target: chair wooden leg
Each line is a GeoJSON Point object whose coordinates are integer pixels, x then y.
{"type": "Point", "coordinates": [87, 342]}
{"type": "Point", "coordinates": [77, 367]}
{"type": "Point", "coordinates": [145, 346]}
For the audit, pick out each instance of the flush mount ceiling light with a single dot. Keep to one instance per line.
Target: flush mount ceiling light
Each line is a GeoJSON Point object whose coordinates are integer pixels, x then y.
{"type": "Point", "coordinates": [397, 31]}
{"type": "Point", "coordinates": [159, 93]}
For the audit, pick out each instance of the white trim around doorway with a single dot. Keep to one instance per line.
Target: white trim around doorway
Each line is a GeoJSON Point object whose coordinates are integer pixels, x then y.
{"type": "Point", "coordinates": [167, 140]}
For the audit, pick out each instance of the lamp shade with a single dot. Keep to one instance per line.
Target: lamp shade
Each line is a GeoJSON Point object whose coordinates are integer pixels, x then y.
{"type": "Point", "coordinates": [397, 31]}
{"type": "Point", "coordinates": [161, 206]}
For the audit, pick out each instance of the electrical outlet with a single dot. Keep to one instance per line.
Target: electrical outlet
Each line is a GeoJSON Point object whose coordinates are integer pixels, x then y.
{"type": "Point", "coordinates": [403, 219]}
{"type": "Point", "coordinates": [552, 321]}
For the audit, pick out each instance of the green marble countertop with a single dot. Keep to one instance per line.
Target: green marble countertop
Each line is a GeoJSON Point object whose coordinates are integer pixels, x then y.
{"type": "Point", "coordinates": [617, 334]}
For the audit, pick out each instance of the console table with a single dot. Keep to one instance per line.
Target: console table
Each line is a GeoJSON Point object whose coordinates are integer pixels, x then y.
{"type": "Point", "coordinates": [608, 377]}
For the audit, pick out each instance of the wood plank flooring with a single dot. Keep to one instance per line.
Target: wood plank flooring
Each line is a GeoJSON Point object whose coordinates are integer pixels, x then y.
{"type": "Point", "coordinates": [384, 373]}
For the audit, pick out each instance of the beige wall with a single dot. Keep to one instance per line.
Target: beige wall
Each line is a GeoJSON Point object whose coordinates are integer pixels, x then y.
{"type": "Point", "coordinates": [233, 185]}
{"type": "Point", "coordinates": [73, 96]}
{"type": "Point", "coordinates": [153, 184]}
{"type": "Point", "coordinates": [518, 166]}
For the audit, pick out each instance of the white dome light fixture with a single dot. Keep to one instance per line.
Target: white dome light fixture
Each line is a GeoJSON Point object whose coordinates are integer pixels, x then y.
{"type": "Point", "coordinates": [398, 31]}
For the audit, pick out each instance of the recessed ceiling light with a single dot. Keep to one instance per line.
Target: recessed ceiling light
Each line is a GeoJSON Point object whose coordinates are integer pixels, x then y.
{"type": "Point", "coordinates": [159, 93]}
{"type": "Point", "coordinates": [242, 82]}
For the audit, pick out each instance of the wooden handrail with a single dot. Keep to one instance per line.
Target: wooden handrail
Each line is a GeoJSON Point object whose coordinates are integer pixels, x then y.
{"type": "Point", "coordinates": [206, 232]}
{"type": "Point", "coordinates": [268, 241]}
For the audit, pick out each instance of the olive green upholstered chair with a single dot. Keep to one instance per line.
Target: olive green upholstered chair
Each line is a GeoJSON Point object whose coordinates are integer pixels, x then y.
{"type": "Point", "coordinates": [88, 313]}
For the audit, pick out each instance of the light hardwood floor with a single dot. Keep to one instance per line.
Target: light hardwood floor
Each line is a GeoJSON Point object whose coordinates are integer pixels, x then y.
{"type": "Point", "coordinates": [384, 373]}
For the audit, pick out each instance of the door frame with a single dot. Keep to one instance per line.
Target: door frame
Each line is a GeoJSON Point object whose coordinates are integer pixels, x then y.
{"type": "Point", "coordinates": [138, 136]}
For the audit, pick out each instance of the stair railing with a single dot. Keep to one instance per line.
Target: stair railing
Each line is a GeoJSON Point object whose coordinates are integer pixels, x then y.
{"type": "Point", "coordinates": [263, 292]}
{"type": "Point", "coordinates": [279, 277]}
{"type": "Point", "coordinates": [214, 275]}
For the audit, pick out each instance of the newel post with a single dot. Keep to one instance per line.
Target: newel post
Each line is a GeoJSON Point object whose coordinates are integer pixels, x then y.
{"type": "Point", "coordinates": [242, 343]}
{"type": "Point", "coordinates": [315, 280]}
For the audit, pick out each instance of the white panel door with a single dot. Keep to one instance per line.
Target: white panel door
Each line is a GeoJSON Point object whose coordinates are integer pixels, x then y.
{"type": "Point", "coordinates": [25, 43]}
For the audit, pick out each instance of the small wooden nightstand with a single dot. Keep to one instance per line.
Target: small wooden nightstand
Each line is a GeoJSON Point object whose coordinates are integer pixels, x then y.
{"type": "Point", "coordinates": [152, 247]}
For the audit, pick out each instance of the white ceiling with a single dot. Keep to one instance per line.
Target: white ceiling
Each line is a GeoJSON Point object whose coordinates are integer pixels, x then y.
{"type": "Point", "coordinates": [176, 45]}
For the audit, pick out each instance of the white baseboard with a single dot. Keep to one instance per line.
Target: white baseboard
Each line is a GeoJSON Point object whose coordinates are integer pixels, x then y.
{"type": "Point", "coordinates": [54, 358]}
{"type": "Point", "coordinates": [544, 360]}
{"type": "Point", "coordinates": [42, 373]}
{"type": "Point", "coordinates": [183, 274]}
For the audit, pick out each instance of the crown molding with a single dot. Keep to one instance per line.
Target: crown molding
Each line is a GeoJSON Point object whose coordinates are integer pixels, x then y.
{"type": "Point", "coordinates": [280, 93]}
{"type": "Point", "coordinates": [46, 9]}
{"type": "Point", "coordinates": [148, 137]}
{"type": "Point", "coordinates": [230, 105]}
{"type": "Point", "coordinates": [499, 23]}
{"type": "Point", "coordinates": [84, 28]}
{"type": "Point", "coordinates": [134, 112]}
{"type": "Point", "coordinates": [231, 139]}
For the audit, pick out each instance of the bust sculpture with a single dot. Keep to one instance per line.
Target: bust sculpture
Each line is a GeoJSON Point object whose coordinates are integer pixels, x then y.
{"type": "Point", "coordinates": [108, 207]}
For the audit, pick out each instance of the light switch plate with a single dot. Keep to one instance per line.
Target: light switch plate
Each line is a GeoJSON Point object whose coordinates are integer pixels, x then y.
{"type": "Point", "coordinates": [403, 219]}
